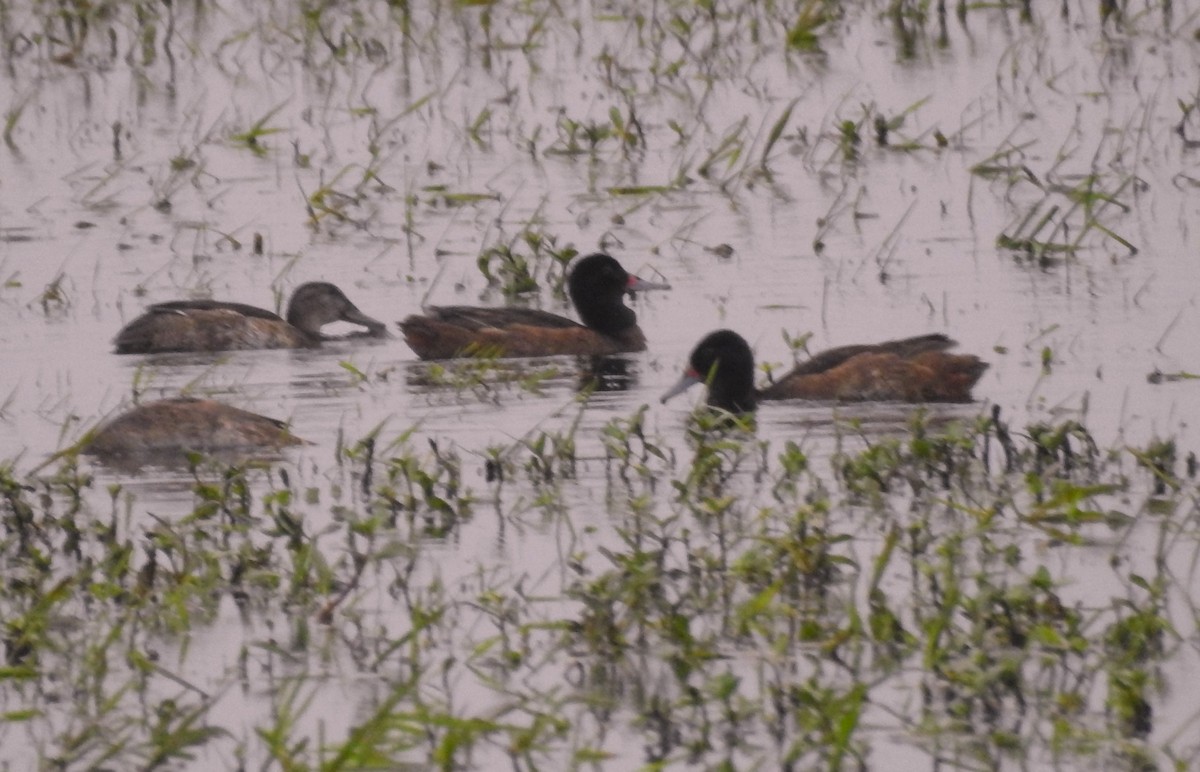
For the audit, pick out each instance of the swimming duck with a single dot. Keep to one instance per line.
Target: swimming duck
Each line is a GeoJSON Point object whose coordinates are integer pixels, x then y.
{"type": "Point", "coordinates": [187, 424]}
{"type": "Point", "coordinates": [596, 286]}
{"type": "Point", "coordinates": [214, 325]}
{"type": "Point", "coordinates": [908, 370]}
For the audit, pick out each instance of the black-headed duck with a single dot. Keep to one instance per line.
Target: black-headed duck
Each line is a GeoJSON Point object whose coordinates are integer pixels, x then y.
{"type": "Point", "coordinates": [596, 285]}
{"type": "Point", "coordinates": [908, 370]}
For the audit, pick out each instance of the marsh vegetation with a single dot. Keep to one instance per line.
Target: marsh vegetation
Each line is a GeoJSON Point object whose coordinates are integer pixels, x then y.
{"type": "Point", "coordinates": [530, 563]}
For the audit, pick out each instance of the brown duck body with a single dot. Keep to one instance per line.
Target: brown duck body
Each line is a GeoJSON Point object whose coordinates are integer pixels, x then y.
{"type": "Point", "coordinates": [445, 332]}
{"type": "Point", "coordinates": [185, 423]}
{"type": "Point", "coordinates": [596, 285]}
{"type": "Point", "coordinates": [213, 325]}
{"type": "Point", "coordinates": [185, 326]}
{"type": "Point", "coordinates": [907, 370]}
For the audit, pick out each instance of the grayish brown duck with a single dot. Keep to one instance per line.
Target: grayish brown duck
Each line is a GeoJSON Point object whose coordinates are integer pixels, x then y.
{"type": "Point", "coordinates": [214, 325]}
{"type": "Point", "coordinates": [172, 426]}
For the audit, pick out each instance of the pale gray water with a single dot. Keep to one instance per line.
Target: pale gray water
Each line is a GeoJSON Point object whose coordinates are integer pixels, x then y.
{"type": "Point", "coordinates": [909, 238]}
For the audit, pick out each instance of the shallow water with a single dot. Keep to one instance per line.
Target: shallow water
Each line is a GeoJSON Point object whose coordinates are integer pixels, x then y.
{"type": "Point", "coordinates": [396, 125]}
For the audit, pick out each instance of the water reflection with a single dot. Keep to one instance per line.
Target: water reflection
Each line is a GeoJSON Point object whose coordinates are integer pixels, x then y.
{"type": "Point", "coordinates": [796, 418]}
{"type": "Point", "coordinates": [166, 476]}
{"type": "Point", "coordinates": [487, 376]}
{"type": "Point", "coordinates": [606, 374]}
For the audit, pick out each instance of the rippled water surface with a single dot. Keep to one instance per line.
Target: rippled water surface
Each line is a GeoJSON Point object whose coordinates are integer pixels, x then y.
{"type": "Point", "coordinates": [1036, 198]}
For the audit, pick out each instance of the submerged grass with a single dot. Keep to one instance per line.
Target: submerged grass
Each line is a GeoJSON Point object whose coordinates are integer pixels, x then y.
{"type": "Point", "coordinates": [745, 609]}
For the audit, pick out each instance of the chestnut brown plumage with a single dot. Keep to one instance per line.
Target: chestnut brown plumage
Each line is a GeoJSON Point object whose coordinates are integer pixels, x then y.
{"type": "Point", "coordinates": [915, 369]}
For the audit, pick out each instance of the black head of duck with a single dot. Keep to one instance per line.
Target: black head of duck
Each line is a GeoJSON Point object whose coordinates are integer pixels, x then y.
{"type": "Point", "coordinates": [724, 361]}
{"type": "Point", "coordinates": [597, 286]}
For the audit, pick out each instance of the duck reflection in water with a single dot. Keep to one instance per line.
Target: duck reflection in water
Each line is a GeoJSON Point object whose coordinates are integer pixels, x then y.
{"type": "Point", "coordinates": [606, 374]}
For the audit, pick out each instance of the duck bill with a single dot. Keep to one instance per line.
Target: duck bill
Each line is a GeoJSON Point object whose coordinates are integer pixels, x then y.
{"type": "Point", "coordinates": [637, 284]}
{"type": "Point", "coordinates": [689, 379]}
{"type": "Point", "coordinates": [375, 328]}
